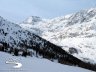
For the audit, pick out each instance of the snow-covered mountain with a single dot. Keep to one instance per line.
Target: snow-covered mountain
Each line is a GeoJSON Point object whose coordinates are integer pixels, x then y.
{"type": "Point", "coordinates": [75, 32]}
{"type": "Point", "coordinates": [20, 42]}
{"type": "Point", "coordinates": [33, 64]}
{"type": "Point", "coordinates": [49, 39]}
{"type": "Point", "coordinates": [14, 35]}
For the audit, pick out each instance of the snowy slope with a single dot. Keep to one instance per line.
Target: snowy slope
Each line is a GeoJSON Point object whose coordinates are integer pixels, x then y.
{"type": "Point", "coordinates": [32, 64]}
{"type": "Point", "coordinates": [15, 35]}
{"type": "Point", "coordinates": [76, 30]}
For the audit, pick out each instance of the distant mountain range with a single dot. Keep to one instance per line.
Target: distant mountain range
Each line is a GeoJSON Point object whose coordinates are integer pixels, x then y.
{"type": "Point", "coordinates": [77, 30]}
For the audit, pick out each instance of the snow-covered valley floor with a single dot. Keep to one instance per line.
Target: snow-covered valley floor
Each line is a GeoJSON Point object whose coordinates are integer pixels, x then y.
{"type": "Point", "coordinates": [33, 64]}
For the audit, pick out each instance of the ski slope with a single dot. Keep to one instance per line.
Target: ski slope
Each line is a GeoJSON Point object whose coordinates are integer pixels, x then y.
{"type": "Point", "coordinates": [33, 64]}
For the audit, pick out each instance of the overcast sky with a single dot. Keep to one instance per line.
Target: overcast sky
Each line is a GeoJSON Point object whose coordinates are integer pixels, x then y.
{"type": "Point", "coordinates": [18, 10]}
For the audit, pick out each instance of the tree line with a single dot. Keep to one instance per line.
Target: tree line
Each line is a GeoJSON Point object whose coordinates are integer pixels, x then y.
{"type": "Point", "coordinates": [49, 51]}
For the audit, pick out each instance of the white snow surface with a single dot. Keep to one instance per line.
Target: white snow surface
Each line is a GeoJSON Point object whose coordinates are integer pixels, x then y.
{"type": "Point", "coordinates": [33, 64]}
{"type": "Point", "coordinates": [76, 30]}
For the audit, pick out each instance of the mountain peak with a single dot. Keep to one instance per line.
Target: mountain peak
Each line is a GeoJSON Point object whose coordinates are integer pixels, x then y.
{"type": "Point", "coordinates": [92, 9]}
{"type": "Point", "coordinates": [32, 20]}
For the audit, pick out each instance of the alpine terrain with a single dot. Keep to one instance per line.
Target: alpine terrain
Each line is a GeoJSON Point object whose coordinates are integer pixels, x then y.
{"type": "Point", "coordinates": [75, 33]}
{"type": "Point", "coordinates": [62, 41]}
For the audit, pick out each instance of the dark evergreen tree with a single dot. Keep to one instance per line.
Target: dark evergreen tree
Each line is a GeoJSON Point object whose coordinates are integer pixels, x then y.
{"type": "Point", "coordinates": [24, 53]}
{"type": "Point", "coordinates": [16, 52]}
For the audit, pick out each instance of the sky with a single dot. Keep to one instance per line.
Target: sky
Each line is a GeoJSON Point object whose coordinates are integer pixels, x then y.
{"type": "Point", "coordinates": [19, 10]}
